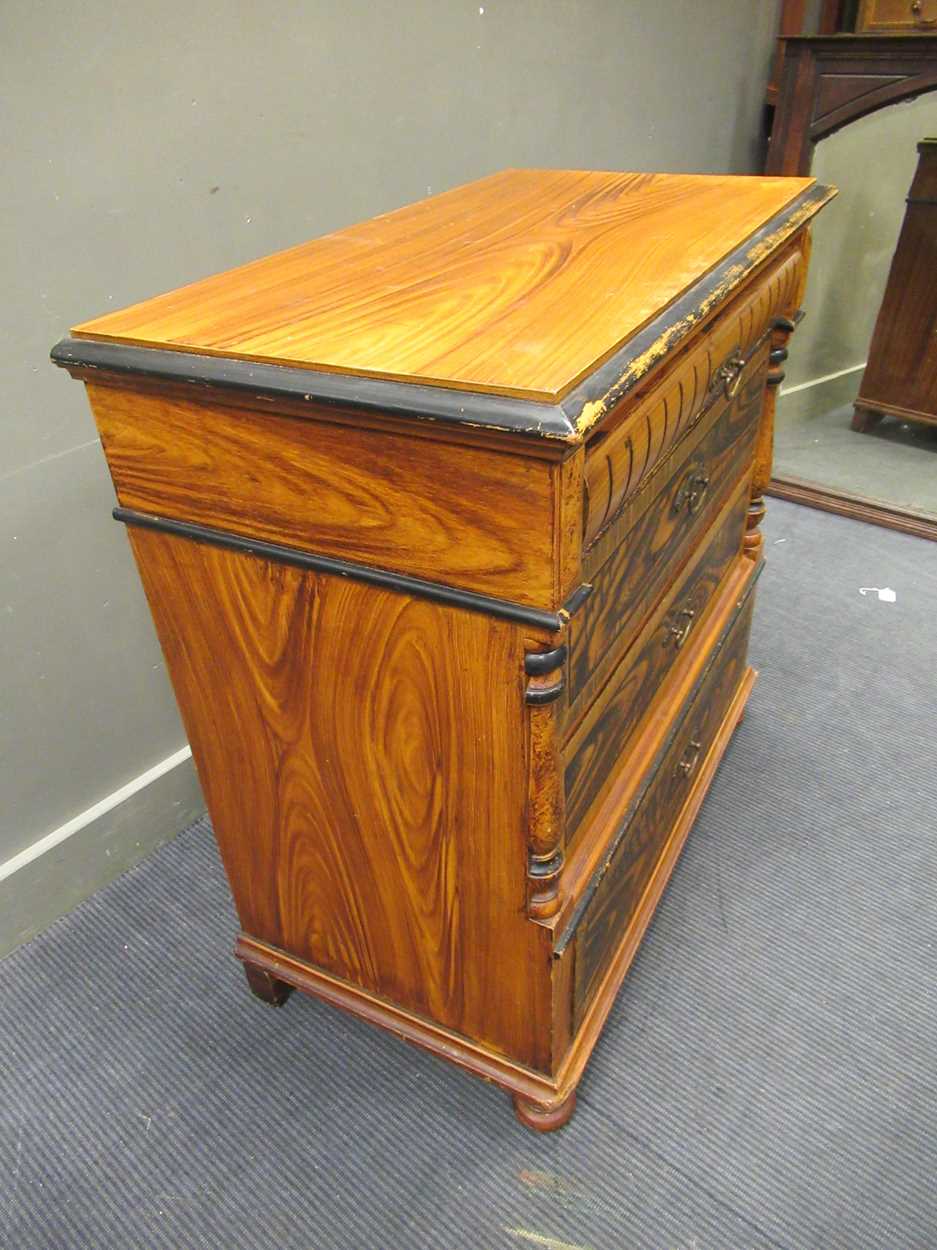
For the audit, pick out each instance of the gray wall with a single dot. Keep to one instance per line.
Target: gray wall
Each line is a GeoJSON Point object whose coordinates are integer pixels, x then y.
{"type": "Point", "coordinates": [148, 144]}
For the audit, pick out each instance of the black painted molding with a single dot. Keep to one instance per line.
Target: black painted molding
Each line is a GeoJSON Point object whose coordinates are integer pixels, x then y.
{"type": "Point", "coordinates": [400, 582]}
{"type": "Point", "coordinates": [537, 696]}
{"type": "Point", "coordinates": [538, 663]}
{"type": "Point", "coordinates": [609, 383]}
{"type": "Point", "coordinates": [337, 390]}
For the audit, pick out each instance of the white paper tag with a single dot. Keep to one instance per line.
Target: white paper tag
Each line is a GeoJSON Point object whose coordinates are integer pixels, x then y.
{"type": "Point", "coordinates": [885, 593]}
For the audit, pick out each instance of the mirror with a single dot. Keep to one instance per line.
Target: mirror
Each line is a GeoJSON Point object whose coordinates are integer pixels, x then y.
{"type": "Point", "coordinates": [869, 333]}
{"type": "Point", "coordinates": [845, 350]}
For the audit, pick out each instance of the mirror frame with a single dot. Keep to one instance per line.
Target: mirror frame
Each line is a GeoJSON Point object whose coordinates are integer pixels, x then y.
{"type": "Point", "coordinates": [827, 82]}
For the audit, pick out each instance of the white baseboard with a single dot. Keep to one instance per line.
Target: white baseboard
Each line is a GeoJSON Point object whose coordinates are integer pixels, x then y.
{"type": "Point", "coordinates": [810, 400]}
{"type": "Point", "coordinates": [57, 871]}
{"type": "Point", "coordinates": [827, 377]}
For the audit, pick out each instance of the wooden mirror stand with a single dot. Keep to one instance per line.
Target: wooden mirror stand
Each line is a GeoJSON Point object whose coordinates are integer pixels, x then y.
{"type": "Point", "coordinates": [827, 82]}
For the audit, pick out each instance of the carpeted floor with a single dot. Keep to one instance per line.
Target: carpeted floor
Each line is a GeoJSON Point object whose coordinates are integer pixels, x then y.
{"type": "Point", "coordinates": [767, 1077]}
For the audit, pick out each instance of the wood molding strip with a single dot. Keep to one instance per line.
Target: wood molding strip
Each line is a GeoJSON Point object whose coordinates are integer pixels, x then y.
{"type": "Point", "coordinates": [411, 1028]}
{"type": "Point", "coordinates": [402, 583]}
{"type": "Point", "coordinates": [857, 507]}
{"type": "Point", "coordinates": [414, 400]}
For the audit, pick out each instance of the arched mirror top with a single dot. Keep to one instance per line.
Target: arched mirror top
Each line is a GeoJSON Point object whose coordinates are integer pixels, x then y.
{"type": "Point", "coordinates": [831, 81]}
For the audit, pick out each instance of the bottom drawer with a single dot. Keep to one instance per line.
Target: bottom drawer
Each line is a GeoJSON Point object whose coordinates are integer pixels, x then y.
{"type": "Point", "coordinates": [647, 829]}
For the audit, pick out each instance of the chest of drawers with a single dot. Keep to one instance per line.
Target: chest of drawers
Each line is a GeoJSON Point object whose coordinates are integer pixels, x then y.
{"type": "Point", "coordinates": [448, 523]}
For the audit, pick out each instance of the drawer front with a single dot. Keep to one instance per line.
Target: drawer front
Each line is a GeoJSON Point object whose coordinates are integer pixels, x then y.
{"type": "Point", "coordinates": [605, 732]}
{"type": "Point", "coordinates": [466, 516]}
{"type": "Point", "coordinates": [906, 16]}
{"type": "Point", "coordinates": [631, 866]}
{"type": "Point", "coordinates": [654, 420]}
{"type": "Point", "coordinates": [685, 496]}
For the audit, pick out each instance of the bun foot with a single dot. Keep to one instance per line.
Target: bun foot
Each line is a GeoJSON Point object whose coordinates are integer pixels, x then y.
{"type": "Point", "coordinates": [265, 987]}
{"type": "Point", "coordinates": [544, 1119]}
{"type": "Point", "coordinates": [864, 419]}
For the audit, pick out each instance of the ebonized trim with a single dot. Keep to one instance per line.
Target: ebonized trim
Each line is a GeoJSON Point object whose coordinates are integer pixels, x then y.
{"type": "Point", "coordinates": [340, 390]}
{"type": "Point", "coordinates": [539, 663]}
{"type": "Point", "coordinates": [607, 384]}
{"type": "Point", "coordinates": [537, 696]}
{"type": "Point", "coordinates": [470, 600]}
{"type": "Point", "coordinates": [578, 598]}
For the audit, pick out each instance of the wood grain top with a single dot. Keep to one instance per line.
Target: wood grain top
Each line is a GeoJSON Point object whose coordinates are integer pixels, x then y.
{"type": "Point", "coordinates": [519, 284]}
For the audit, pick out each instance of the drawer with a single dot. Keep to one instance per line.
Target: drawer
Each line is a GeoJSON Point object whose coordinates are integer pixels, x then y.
{"type": "Point", "coordinates": [680, 503]}
{"type": "Point", "coordinates": [647, 828]}
{"type": "Point", "coordinates": [621, 457]}
{"type": "Point", "coordinates": [466, 516]}
{"type": "Point", "coordinates": [604, 733]}
{"type": "Point", "coordinates": [900, 16]}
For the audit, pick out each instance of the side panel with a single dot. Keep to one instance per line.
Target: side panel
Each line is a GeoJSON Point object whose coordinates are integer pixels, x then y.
{"type": "Point", "coordinates": [363, 755]}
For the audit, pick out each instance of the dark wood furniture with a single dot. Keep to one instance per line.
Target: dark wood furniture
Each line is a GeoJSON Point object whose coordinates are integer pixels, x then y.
{"type": "Point", "coordinates": [831, 81]}
{"type": "Point", "coordinates": [449, 526]}
{"type": "Point", "coordinates": [897, 17]}
{"type": "Point", "coordinates": [828, 82]}
{"type": "Point", "coordinates": [900, 377]}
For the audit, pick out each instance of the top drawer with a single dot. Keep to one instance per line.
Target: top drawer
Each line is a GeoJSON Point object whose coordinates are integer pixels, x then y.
{"type": "Point", "coordinates": [465, 516]}
{"type": "Point", "coordinates": [621, 457]}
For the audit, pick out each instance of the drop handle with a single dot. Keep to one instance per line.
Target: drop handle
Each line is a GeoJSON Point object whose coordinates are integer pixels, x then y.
{"type": "Point", "coordinates": [690, 758]}
{"type": "Point", "coordinates": [916, 9]}
{"type": "Point", "coordinates": [678, 629]}
{"type": "Point", "coordinates": [692, 491]}
{"type": "Point", "coordinates": [730, 374]}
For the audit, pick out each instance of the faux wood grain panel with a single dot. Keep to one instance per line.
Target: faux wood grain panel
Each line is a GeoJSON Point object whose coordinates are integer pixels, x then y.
{"type": "Point", "coordinates": [649, 553]}
{"type": "Point", "coordinates": [383, 499]}
{"type": "Point", "coordinates": [602, 738]}
{"type": "Point", "coordinates": [482, 287]}
{"type": "Point", "coordinates": [632, 865]}
{"type": "Point", "coordinates": [649, 424]}
{"type": "Point", "coordinates": [362, 758]}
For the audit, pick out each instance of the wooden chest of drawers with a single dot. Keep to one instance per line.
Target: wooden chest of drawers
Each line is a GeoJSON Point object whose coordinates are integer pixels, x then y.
{"type": "Point", "coordinates": [449, 526]}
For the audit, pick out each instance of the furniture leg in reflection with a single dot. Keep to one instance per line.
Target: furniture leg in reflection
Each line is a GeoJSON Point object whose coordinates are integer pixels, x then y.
{"type": "Point", "coordinates": [446, 522]}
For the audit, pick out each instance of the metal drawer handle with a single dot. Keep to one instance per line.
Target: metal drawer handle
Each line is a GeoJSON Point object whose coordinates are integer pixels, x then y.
{"type": "Point", "coordinates": [692, 491]}
{"type": "Point", "coordinates": [699, 485]}
{"type": "Point", "coordinates": [686, 766]}
{"type": "Point", "coordinates": [680, 633]}
{"type": "Point", "coordinates": [730, 374]}
{"type": "Point", "coordinates": [921, 21]}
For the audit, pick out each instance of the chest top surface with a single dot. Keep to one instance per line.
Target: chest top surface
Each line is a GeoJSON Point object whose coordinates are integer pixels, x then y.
{"type": "Point", "coordinates": [521, 284]}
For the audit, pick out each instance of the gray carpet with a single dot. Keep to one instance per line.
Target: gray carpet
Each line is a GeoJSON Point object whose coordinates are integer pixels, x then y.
{"type": "Point", "coordinates": [767, 1077]}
